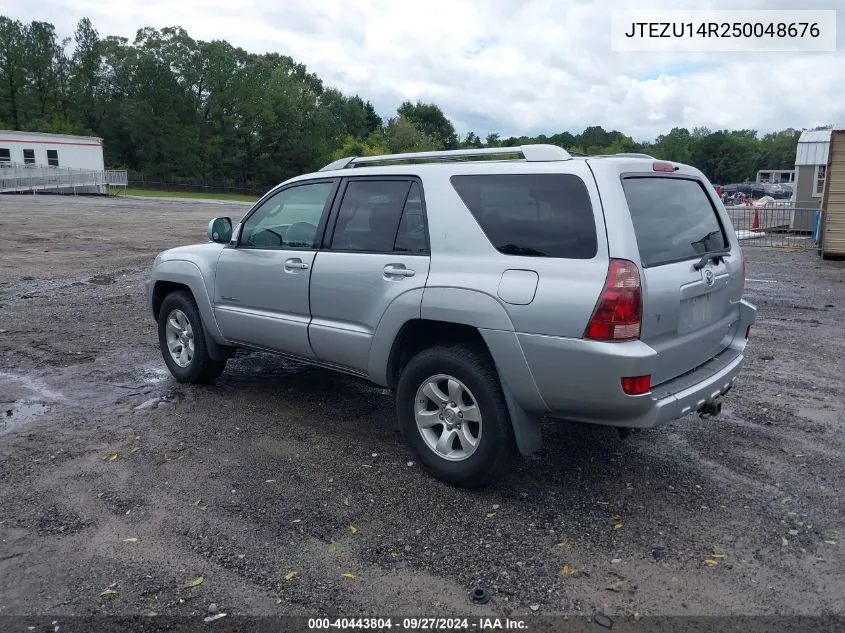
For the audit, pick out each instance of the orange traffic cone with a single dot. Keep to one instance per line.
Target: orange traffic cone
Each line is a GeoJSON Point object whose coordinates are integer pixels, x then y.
{"type": "Point", "coordinates": [755, 225]}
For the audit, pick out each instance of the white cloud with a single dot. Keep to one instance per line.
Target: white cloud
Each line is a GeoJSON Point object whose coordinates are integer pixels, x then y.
{"type": "Point", "coordinates": [507, 66]}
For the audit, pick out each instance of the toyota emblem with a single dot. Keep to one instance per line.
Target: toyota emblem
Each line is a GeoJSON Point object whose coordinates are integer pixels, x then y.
{"type": "Point", "coordinates": [708, 277]}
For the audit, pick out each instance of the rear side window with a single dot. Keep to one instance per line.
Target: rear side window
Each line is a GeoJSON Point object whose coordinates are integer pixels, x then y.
{"type": "Point", "coordinates": [673, 218]}
{"type": "Point", "coordinates": [537, 215]}
{"type": "Point", "coordinates": [369, 215]}
{"type": "Point", "coordinates": [411, 236]}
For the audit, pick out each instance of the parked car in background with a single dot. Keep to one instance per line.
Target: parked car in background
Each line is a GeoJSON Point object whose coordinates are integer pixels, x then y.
{"type": "Point", "coordinates": [739, 193]}
{"type": "Point", "coordinates": [781, 191]}
{"type": "Point", "coordinates": [484, 293]}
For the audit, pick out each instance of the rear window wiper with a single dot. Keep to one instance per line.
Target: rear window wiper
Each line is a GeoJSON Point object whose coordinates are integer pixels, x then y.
{"type": "Point", "coordinates": [715, 257]}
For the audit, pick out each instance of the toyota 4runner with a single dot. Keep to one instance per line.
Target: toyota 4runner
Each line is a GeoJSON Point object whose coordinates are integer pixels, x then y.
{"type": "Point", "coordinates": [486, 293]}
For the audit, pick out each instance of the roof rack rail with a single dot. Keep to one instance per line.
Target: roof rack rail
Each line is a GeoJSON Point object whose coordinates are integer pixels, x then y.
{"type": "Point", "coordinates": [531, 153]}
{"type": "Point", "coordinates": [634, 155]}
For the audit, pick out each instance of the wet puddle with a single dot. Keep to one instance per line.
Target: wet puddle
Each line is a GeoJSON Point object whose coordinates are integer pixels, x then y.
{"type": "Point", "coordinates": [152, 373]}
{"type": "Point", "coordinates": [23, 399]}
{"type": "Point", "coordinates": [20, 412]}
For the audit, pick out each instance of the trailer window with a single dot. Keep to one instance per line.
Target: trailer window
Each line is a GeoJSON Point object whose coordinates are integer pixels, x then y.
{"type": "Point", "coordinates": [29, 157]}
{"type": "Point", "coordinates": [53, 157]}
{"type": "Point", "coordinates": [5, 157]}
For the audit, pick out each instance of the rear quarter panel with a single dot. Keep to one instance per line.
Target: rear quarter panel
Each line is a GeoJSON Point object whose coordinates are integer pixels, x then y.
{"type": "Point", "coordinates": [464, 259]}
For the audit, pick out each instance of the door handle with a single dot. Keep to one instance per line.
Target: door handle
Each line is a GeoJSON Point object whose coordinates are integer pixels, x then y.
{"type": "Point", "coordinates": [398, 270]}
{"type": "Point", "coordinates": [295, 264]}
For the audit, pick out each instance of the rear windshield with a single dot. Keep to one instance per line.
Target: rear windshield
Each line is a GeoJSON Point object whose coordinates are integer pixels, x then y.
{"type": "Point", "coordinates": [536, 215]}
{"type": "Point", "coordinates": [674, 219]}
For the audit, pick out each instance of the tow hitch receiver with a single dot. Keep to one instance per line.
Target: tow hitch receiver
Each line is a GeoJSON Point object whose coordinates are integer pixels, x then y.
{"type": "Point", "coordinates": [711, 409]}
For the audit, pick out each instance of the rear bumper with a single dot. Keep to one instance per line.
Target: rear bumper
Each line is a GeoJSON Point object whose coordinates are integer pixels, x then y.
{"type": "Point", "coordinates": [676, 401]}
{"type": "Point", "coordinates": [580, 380]}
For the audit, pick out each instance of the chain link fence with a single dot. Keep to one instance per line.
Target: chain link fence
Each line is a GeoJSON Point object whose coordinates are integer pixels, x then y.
{"type": "Point", "coordinates": [777, 225]}
{"type": "Point", "coordinates": [157, 182]}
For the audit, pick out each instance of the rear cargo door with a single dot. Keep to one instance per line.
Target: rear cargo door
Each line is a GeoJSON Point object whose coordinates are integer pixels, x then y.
{"type": "Point", "coordinates": [692, 275]}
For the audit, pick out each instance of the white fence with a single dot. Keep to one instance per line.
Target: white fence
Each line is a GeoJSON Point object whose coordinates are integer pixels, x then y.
{"type": "Point", "coordinates": [37, 178]}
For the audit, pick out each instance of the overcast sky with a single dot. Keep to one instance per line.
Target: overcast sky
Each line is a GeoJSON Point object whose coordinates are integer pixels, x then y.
{"type": "Point", "coordinates": [508, 66]}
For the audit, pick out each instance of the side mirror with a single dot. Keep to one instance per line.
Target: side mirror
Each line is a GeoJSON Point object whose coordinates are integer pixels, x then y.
{"type": "Point", "coordinates": [220, 230]}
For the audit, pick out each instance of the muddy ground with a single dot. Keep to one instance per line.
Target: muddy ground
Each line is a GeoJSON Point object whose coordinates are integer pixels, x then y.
{"type": "Point", "coordinates": [254, 483]}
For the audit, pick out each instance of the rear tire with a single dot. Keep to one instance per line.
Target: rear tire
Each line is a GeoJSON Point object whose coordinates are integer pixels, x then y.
{"type": "Point", "coordinates": [181, 338]}
{"type": "Point", "coordinates": [453, 414]}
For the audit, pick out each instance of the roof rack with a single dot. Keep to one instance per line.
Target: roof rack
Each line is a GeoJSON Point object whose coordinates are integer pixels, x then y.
{"type": "Point", "coordinates": [531, 153]}
{"type": "Point", "coordinates": [627, 155]}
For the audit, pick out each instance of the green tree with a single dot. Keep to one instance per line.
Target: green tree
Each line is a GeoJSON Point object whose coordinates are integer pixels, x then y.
{"type": "Point", "coordinates": [726, 156]}
{"type": "Point", "coordinates": [85, 86]}
{"type": "Point", "coordinates": [675, 146]}
{"type": "Point", "coordinates": [12, 71]}
{"type": "Point", "coordinates": [400, 135]}
{"type": "Point", "coordinates": [471, 140]}
{"type": "Point", "coordinates": [40, 47]}
{"type": "Point", "coordinates": [594, 138]}
{"type": "Point", "coordinates": [358, 147]}
{"type": "Point", "coordinates": [777, 150]}
{"type": "Point", "coordinates": [563, 139]}
{"type": "Point", "coordinates": [290, 106]}
{"type": "Point", "coordinates": [429, 119]}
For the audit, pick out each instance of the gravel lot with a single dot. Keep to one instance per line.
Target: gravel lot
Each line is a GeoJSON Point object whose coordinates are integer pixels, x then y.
{"type": "Point", "coordinates": [255, 484]}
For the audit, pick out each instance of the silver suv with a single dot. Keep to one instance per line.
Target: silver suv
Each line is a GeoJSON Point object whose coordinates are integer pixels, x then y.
{"type": "Point", "coordinates": [487, 293]}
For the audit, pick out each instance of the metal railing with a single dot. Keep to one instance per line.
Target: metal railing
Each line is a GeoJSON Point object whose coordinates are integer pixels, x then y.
{"type": "Point", "coordinates": [116, 177]}
{"type": "Point", "coordinates": [777, 225]}
{"type": "Point", "coordinates": [39, 178]}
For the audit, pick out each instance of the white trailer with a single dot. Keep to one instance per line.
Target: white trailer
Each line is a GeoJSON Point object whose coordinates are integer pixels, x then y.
{"type": "Point", "coordinates": [62, 163]}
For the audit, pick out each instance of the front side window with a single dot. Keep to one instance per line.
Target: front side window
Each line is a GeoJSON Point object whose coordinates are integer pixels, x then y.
{"type": "Point", "coordinates": [288, 219]}
{"type": "Point", "coordinates": [53, 157]}
{"type": "Point", "coordinates": [369, 216]}
{"type": "Point", "coordinates": [29, 157]}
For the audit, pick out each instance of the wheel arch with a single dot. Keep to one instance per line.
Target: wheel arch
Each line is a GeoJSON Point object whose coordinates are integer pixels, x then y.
{"type": "Point", "coordinates": [182, 275]}
{"type": "Point", "coordinates": [503, 350]}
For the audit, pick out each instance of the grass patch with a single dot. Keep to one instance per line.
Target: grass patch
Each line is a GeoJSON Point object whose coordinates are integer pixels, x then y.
{"type": "Point", "coordinates": [189, 195]}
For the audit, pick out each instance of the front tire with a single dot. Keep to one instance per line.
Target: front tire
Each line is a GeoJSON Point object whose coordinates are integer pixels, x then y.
{"type": "Point", "coordinates": [181, 339]}
{"type": "Point", "coordinates": [453, 414]}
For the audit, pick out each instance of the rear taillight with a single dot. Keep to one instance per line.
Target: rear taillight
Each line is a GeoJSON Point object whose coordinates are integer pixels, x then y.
{"type": "Point", "coordinates": [618, 312]}
{"type": "Point", "coordinates": [636, 385]}
{"type": "Point", "coordinates": [660, 166]}
{"type": "Point", "coordinates": [747, 332]}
